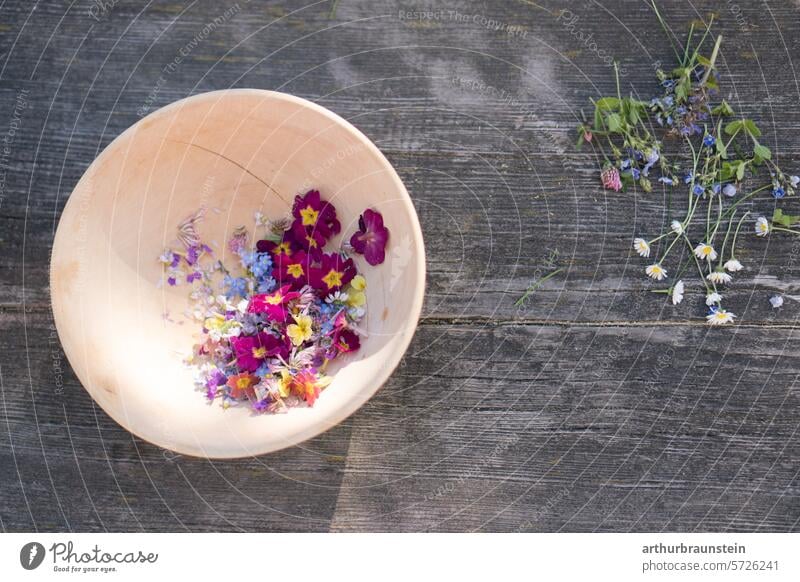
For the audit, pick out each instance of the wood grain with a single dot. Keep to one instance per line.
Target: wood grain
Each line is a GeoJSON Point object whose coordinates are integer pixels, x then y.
{"type": "Point", "coordinates": [597, 407]}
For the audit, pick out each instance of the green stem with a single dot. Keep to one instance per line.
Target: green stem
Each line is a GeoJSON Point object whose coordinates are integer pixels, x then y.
{"type": "Point", "coordinates": [736, 234]}
{"type": "Point", "coordinates": [666, 31]}
{"type": "Point", "coordinates": [535, 286]}
{"type": "Point", "coordinates": [696, 262]}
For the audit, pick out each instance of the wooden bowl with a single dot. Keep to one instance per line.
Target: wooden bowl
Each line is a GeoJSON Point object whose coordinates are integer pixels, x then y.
{"type": "Point", "coordinates": [235, 152]}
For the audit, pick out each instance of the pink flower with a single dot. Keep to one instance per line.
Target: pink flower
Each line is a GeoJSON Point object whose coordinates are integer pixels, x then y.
{"type": "Point", "coordinates": [252, 350]}
{"type": "Point", "coordinates": [273, 304]}
{"type": "Point", "coordinates": [371, 238]}
{"type": "Point", "coordinates": [610, 179]}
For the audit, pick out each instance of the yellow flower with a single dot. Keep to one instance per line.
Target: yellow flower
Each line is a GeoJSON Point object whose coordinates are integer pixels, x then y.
{"type": "Point", "coordinates": [359, 283]}
{"type": "Point", "coordinates": [301, 330]}
{"type": "Point", "coordinates": [285, 383]}
{"type": "Point", "coordinates": [218, 326]}
{"type": "Point", "coordinates": [356, 299]}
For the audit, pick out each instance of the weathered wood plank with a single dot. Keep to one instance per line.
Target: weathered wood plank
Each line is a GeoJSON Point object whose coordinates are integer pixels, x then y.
{"type": "Point", "coordinates": [646, 428]}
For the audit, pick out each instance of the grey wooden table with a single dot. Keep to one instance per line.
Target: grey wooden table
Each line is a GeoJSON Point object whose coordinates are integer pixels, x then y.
{"type": "Point", "coordinates": [598, 406]}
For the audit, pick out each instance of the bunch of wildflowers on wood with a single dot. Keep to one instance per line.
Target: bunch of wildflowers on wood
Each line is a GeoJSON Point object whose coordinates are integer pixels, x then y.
{"type": "Point", "coordinates": [726, 166]}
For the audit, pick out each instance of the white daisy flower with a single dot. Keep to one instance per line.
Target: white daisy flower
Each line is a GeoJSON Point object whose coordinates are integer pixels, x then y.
{"type": "Point", "coordinates": [762, 226]}
{"type": "Point", "coordinates": [776, 301]}
{"type": "Point", "coordinates": [705, 251]}
{"type": "Point", "coordinates": [656, 271]}
{"type": "Point", "coordinates": [713, 298]}
{"type": "Point", "coordinates": [642, 247]}
{"type": "Point", "coordinates": [677, 292]}
{"type": "Point", "coordinates": [676, 227]}
{"type": "Point", "coordinates": [719, 277]}
{"type": "Point", "coordinates": [733, 265]}
{"type": "Point", "coordinates": [720, 317]}
{"type": "Point", "coordinates": [337, 297]}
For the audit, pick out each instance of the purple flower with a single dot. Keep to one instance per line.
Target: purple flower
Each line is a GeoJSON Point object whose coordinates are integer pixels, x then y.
{"type": "Point", "coordinates": [779, 192]}
{"type": "Point", "coordinates": [372, 236]}
{"type": "Point", "coordinates": [193, 276]}
{"type": "Point", "coordinates": [729, 190]}
{"type": "Point", "coordinates": [709, 141]}
{"type": "Point", "coordinates": [698, 190]}
{"type": "Point", "coordinates": [216, 379]}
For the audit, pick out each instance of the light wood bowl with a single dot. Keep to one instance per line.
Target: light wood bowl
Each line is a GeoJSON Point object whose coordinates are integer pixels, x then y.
{"type": "Point", "coordinates": [126, 336]}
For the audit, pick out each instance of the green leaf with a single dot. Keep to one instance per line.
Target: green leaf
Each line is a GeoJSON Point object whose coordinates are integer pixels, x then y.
{"type": "Point", "coordinates": [633, 115]}
{"type": "Point", "coordinates": [721, 150]}
{"type": "Point", "coordinates": [762, 151]}
{"type": "Point", "coordinates": [614, 122]}
{"type": "Point", "coordinates": [607, 104]}
{"type": "Point", "coordinates": [734, 127]}
{"type": "Point", "coordinates": [727, 172]}
{"type": "Point", "coordinates": [787, 220]}
{"type": "Point", "coordinates": [740, 171]}
{"type": "Point", "coordinates": [723, 109]}
{"type": "Point", "coordinates": [751, 128]}
{"type": "Point", "coordinates": [681, 91]}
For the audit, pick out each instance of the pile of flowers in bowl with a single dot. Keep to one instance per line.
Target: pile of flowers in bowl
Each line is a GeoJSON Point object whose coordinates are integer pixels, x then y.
{"type": "Point", "coordinates": [272, 323]}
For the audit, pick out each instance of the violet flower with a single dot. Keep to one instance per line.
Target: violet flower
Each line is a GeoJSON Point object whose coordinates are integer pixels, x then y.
{"type": "Point", "coordinates": [372, 237]}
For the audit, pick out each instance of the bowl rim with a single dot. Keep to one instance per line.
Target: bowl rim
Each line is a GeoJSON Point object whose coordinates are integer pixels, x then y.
{"type": "Point", "coordinates": [347, 408]}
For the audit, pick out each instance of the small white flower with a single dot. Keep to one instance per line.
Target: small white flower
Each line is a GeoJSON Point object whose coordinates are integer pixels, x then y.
{"type": "Point", "coordinates": [337, 297]}
{"type": "Point", "coordinates": [166, 257]}
{"type": "Point", "coordinates": [656, 271]}
{"type": "Point", "coordinates": [720, 317]}
{"type": "Point", "coordinates": [733, 265]}
{"type": "Point", "coordinates": [642, 247]}
{"type": "Point", "coordinates": [713, 298]}
{"type": "Point", "coordinates": [776, 301]}
{"type": "Point", "coordinates": [719, 277]}
{"type": "Point", "coordinates": [677, 292]}
{"type": "Point", "coordinates": [676, 227]}
{"type": "Point", "coordinates": [762, 226]}
{"type": "Point", "coordinates": [705, 251]}
{"type": "Point", "coordinates": [795, 180]}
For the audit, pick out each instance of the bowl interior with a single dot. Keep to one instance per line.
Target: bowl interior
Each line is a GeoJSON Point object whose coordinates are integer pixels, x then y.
{"type": "Point", "coordinates": [233, 152]}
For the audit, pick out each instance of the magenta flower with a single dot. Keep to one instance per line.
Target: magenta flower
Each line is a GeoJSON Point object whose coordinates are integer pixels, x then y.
{"type": "Point", "coordinates": [312, 213]}
{"type": "Point", "coordinates": [252, 350]}
{"type": "Point", "coordinates": [610, 179]}
{"type": "Point", "coordinates": [371, 238]}
{"type": "Point", "coordinates": [314, 222]}
{"type": "Point", "coordinates": [273, 304]}
{"type": "Point", "coordinates": [345, 341]}
{"type": "Point", "coordinates": [333, 273]}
